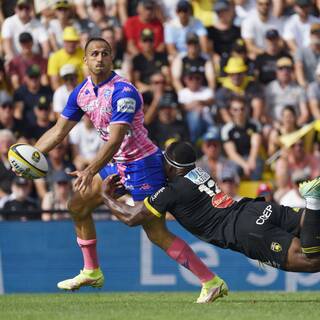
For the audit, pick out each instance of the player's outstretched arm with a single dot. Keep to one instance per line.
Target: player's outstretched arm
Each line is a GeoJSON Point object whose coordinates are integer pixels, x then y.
{"type": "Point", "coordinates": [130, 215]}
{"type": "Point", "coordinates": [55, 135]}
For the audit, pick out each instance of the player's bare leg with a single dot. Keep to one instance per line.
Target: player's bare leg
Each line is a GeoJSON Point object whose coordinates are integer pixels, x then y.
{"type": "Point", "coordinates": [81, 206]}
{"type": "Point", "coordinates": [213, 287]}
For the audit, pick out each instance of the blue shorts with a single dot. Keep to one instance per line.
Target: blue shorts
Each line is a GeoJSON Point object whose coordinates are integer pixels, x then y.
{"type": "Point", "coordinates": [142, 177]}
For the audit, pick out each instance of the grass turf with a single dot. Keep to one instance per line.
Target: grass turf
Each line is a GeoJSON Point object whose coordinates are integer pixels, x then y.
{"type": "Point", "coordinates": [160, 306]}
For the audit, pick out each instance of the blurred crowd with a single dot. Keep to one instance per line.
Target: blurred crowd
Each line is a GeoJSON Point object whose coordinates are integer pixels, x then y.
{"type": "Point", "coordinates": [230, 76]}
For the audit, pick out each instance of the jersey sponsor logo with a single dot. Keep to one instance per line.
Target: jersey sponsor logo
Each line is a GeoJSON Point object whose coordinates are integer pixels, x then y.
{"type": "Point", "coordinates": [126, 89]}
{"type": "Point", "coordinates": [126, 105]}
{"type": "Point", "coordinates": [107, 93]}
{"type": "Point", "coordinates": [276, 247]}
{"type": "Point", "coordinates": [265, 215]}
{"type": "Point", "coordinates": [156, 194]}
{"type": "Point", "coordinates": [91, 106]}
{"type": "Point", "coordinates": [222, 200]}
{"type": "Point", "coordinates": [198, 176]}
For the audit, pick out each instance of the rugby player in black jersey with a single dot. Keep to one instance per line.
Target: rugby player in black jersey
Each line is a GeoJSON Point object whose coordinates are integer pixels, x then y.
{"type": "Point", "coordinates": [265, 231]}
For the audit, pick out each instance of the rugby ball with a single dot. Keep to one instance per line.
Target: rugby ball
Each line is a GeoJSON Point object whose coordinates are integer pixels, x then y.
{"type": "Point", "coordinates": [28, 161]}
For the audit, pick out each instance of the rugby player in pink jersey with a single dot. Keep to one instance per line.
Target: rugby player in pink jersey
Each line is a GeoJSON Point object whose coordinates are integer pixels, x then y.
{"type": "Point", "coordinates": [116, 109]}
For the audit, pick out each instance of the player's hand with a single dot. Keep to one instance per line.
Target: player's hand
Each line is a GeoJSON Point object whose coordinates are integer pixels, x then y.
{"type": "Point", "coordinates": [111, 185]}
{"type": "Point", "coordinates": [16, 172]}
{"type": "Point", "coordinates": [83, 179]}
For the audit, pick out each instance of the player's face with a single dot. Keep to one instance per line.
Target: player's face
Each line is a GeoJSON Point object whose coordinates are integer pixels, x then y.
{"type": "Point", "coordinates": [98, 58]}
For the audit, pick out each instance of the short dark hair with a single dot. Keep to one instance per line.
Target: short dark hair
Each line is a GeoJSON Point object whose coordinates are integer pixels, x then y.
{"type": "Point", "coordinates": [93, 39]}
{"type": "Point", "coordinates": [290, 108]}
{"type": "Point", "coordinates": [181, 155]}
{"type": "Point", "coordinates": [236, 98]}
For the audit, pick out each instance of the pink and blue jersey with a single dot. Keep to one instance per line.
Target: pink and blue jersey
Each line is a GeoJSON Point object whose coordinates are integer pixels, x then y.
{"type": "Point", "coordinates": [115, 100]}
{"type": "Point", "coordinates": [138, 161]}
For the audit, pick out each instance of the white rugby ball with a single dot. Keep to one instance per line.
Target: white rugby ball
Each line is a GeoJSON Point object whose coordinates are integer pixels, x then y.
{"type": "Point", "coordinates": [28, 161]}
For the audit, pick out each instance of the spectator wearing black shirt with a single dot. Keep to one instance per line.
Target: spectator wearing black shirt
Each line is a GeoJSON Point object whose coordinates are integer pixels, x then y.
{"type": "Point", "coordinates": [167, 127]}
{"type": "Point", "coordinates": [28, 95]}
{"type": "Point", "coordinates": [266, 63]}
{"type": "Point", "coordinates": [19, 205]}
{"type": "Point", "coordinates": [223, 33]}
{"type": "Point", "coordinates": [8, 121]}
{"type": "Point", "coordinates": [242, 139]}
{"type": "Point", "coordinates": [42, 123]}
{"type": "Point", "coordinates": [148, 62]}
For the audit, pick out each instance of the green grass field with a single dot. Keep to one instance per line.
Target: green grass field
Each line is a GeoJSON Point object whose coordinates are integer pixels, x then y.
{"type": "Point", "coordinates": [160, 306]}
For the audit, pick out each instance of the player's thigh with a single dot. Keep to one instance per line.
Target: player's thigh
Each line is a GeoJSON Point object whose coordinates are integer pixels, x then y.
{"type": "Point", "coordinates": [88, 199]}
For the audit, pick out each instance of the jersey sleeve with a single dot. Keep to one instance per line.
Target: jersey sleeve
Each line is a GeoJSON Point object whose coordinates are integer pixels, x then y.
{"type": "Point", "coordinates": [160, 202]}
{"type": "Point", "coordinates": [72, 111]}
{"type": "Point", "coordinates": [126, 101]}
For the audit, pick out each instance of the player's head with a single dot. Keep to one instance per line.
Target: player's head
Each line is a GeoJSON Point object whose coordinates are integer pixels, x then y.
{"type": "Point", "coordinates": [180, 158]}
{"type": "Point", "coordinates": [98, 56]}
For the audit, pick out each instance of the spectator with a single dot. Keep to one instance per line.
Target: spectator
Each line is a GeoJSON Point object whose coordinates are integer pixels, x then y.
{"type": "Point", "coordinates": [193, 58]}
{"type": "Point", "coordinates": [7, 139]}
{"type": "Point", "coordinates": [196, 100]}
{"type": "Point", "coordinates": [121, 59]}
{"type": "Point", "coordinates": [148, 62]}
{"type": "Point", "coordinates": [167, 127]}
{"type": "Point", "coordinates": [177, 29]}
{"type": "Point", "coordinates": [100, 18]}
{"type": "Point", "coordinates": [212, 159]}
{"type": "Point", "coordinates": [22, 21]}
{"type": "Point", "coordinates": [8, 121]}
{"type": "Point", "coordinates": [283, 91]}
{"type": "Point", "coordinates": [58, 198]}
{"type": "Point", "coordinates": [19, 64]}
{"type": "Point", "coordinates": [85, 143]}
{"type": "Point", "coordinates": [238, 83]}
{"type": "Point", "coordinates": [297, 27]}
{"type": "Point", "coordinates": [84, 8]}
{"type": "Point", "coordinates": [265, 191]}
{"type": "Point", "coordinates": [28, 95]}
{"type": "Point", "coordinates": [288, 124]}
{"type": "Point", "coordinates": [71, 53]}
{"type": "Point", "coordinates": [63, 18]}
{"type": "Point", "coordinates": [242, 140]}
{"type": "Point", "coordinates": [4, 84]}
{"type": "Point", "coordinates": [19, 205]}
{"type": "Point", "coordinates": [313, 95]}
{"type": "Point", "coordinates": [228, 181]}
{"type": "Point", "coordinates": [223, 33]}
{"type": "Point", "coordinates": [307, 58]}
{"type": "Point", "coordinates": [255, 26]}
{"type": "Point", "coordinates": [57, 161]}
{"type": "Point", "coordinates": [42, 124]}
{"type": "Point", "coordinates": [68, 74]}
{"type": "Point", "coordinates": [265, 63]}
{"type": "Point", "coordinates": [144, 20]}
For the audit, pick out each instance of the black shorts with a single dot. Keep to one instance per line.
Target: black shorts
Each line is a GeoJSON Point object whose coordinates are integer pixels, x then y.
{"type": "Point", "coordinates": [264, 231]}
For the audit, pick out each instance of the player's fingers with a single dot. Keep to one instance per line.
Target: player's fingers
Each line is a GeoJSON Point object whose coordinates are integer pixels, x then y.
{"type": "Point", "coordinates": [74, 173]}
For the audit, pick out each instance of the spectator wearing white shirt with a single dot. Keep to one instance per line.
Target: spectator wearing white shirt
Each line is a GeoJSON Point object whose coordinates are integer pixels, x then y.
{"type": "Point", "coordinates": [68, 74]}
{"type": "Point", "coordinates": [313, 95]}
{"type": "Point", "coordinates": [297, 28]}
{"type": "Point", "coordinates": [176, 30]}
{"type": "Point", "coordinates": [255, 26]}
{"type": "Point", "coordinates": [85, 143]}
{"type": "Point", "coordinates": [22, 21]}
{"type": "Point", "coordinates": [196, 100]}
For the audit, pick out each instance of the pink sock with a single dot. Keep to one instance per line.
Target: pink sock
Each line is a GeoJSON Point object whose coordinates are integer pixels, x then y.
{"type": "Point", "coordinates": [89, 252]}
{"type": "Point", "coordinates": [183, 254]}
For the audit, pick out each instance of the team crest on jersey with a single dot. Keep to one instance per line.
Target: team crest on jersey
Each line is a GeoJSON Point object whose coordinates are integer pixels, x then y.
{"type": "Point", "coordinates": [276, 247]}
{"type": "Point", "coordinates": [126, 105]}
{"type": "Point", "coordinates": [197, 176]}
{"type": "Point", "coordinates": [107, 93]}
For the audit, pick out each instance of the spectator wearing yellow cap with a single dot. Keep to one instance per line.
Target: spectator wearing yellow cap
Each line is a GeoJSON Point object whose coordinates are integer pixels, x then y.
{"type": "Point", "coordinates": [283, 91]}
{"type": "Point", "coordinates": [71, 53]}
{"type": "Point", "coordinates": [238, 83]}
{"type": "Point", "coordinates": [23, 21]}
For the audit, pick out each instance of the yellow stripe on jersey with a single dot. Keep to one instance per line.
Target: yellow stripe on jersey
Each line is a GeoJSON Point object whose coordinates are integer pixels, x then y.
{"type": "Point", "coordinates": [311, 250]}
{"type": "Point", "coordinates": [151, 209]}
